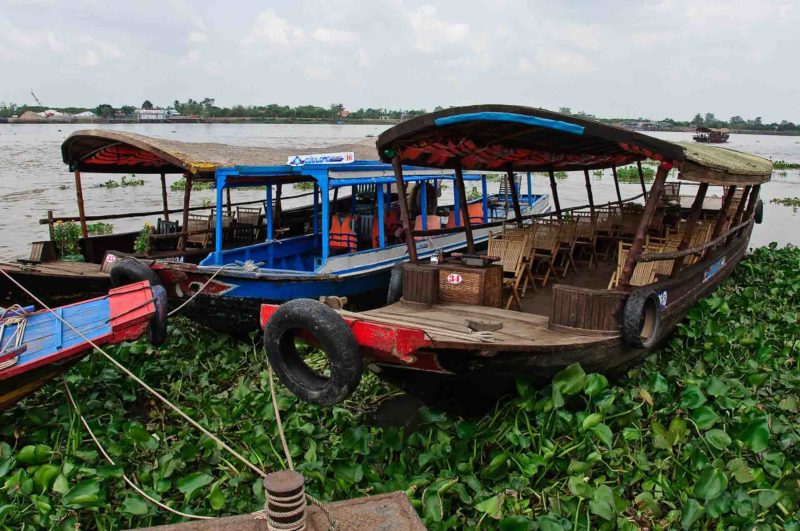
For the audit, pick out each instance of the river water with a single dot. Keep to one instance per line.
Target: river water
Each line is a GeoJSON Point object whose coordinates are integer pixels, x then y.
{"type": "Point", "coordinates": [33, 179]}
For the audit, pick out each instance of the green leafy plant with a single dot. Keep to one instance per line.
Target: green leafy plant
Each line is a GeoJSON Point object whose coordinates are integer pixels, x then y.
{"type": "Point", "coordinates": [783, 165]}
{"type": "Point", "coordinates": [630, 174]}
{"type": "Point", "coordinates": [597, 174]}
{"type": "Point", "coordinates": [66, 234]}
{"type": "Point", "coordinates": [143, 239]}
{"type": "Point", "coordinates": [474, 193]}
{"type": "Point", "coordinates": [100, 228]}
{"type": "Point", "coordinates": [304, 185]}
{"type": "Point", "coordinates": [705, 434]}
{"type": "Point", "coordinates": [180, 185]}
{"type": "Point", "coordinates": [787, 201]}
{"type": "Point", "coordinates": [122, 183]}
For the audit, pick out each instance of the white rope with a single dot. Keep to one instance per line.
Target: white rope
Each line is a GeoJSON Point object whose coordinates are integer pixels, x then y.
{"type": "Point", "coordinates": [196, 293]}
{"type": "Point", "coordinates": [136, 379]}
{"type": "Point", "coordinates": [130, 483]}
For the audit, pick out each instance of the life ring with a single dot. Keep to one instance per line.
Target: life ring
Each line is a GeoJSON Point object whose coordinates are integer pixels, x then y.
{"type": "Point", "coordinates": [395, 291]}
{"type": "Point", "coordinates": [335, 339]}
{"type": "Point", "coordinates": [641, 319]}
{"type": "Point", "coordinates": [129, 271]}
{"type": "Point", "coordinates": [157, 331]}
{"type": "Point", "coordinates": [758, 215]}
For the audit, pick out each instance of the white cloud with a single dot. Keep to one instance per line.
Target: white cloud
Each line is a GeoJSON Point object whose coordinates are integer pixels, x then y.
{"type": "Point", "coordinates": [196, 37]}
{"type": "Point", "coordinates": [69, 47]}
{"type": "Point", "coordinates": [333, 36]}
{"type": "Point", "coordinates": [319, 73]}
{"type": "Point", "coordinates": [364, 59]}
{"type": "Point", "coordinates": [524, 66]}
{"type": "Point", "coordinates": [429, 32]}
{"type": "Point", "coordinates": [559, 61]}
{"type": "Point", "coordinates": [271, 30]}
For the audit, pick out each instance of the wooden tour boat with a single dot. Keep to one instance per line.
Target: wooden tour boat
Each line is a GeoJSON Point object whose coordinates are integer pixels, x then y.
{"type": "Point", "coordinates": [35, 347]}
{"type": "Point", "coordinates": [600, 285]}
{"type": "Point", "coordinates": [711, 135]}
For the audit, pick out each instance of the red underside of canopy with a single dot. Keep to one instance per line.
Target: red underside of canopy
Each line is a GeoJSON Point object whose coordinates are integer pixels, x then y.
{"type": "Point", "coordinates": [125, 156]}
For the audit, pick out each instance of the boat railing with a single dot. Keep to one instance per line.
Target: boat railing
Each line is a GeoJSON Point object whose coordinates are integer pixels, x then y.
{"type": "Point", "coordinates": [654, 257]}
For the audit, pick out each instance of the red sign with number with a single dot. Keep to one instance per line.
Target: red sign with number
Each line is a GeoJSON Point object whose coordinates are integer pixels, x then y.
{"type": "Point", "coordinates": [454, 278]}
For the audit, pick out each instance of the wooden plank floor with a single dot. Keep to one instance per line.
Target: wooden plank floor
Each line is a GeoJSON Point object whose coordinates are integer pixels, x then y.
{"type": "Point", "coordinates": [57, 269]}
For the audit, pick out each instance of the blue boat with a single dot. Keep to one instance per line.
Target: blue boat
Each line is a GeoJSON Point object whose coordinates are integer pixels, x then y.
{"type": "Point", "coordinates": [228, 286]}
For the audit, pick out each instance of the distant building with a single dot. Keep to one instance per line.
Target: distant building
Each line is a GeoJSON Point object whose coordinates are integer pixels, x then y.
{"type": "Point", "coordinates": [85, 114]}
{"type": "Point", "coordinates": [151, 115]}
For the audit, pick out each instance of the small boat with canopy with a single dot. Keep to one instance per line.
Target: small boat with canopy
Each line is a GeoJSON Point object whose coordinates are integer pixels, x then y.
{"type": "Point", "coordinates": [598, 284]}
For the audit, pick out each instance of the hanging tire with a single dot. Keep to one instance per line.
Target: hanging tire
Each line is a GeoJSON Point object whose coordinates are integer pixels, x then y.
{"type": "Point", "coordinates": [641, 319]}
{"type": "Point", "coordinates": [758, 215]}
{"type": "Point", "coordinates": [335, 339]}
{"type": "Point", "coordinates": [395, 291]}
{"type": "Point", "coordinates": [157, 331]}
{"type": "Point", "coordinates": [129, 271]}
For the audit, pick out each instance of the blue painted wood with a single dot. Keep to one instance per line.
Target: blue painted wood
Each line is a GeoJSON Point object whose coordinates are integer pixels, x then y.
{"type": "Point", "coordinates": [510, 117]}
{"type": "Point", "coordinates": [381, 218]}
{"type": "Point", "coordinates": [58, 324]}
{"type": "Point", "coordinates": [485, 198]}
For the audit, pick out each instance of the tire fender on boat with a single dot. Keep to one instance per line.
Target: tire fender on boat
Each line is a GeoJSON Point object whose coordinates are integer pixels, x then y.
{"type": "Point", "coordinates": [157, 331]}
{"type": "Point", "coordinates": [641, 318]}
{"type": "Point", "coordinates": [758, 215]}
{"type": "Point", "coordinates": [395, 291]}
{"type": "Point", "coordinates": [334, 338]}
{"type": "Point", "coordinates": [129, 271]}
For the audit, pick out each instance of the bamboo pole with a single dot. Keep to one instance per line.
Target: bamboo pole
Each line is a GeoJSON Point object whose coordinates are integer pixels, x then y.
{"type": "Point", "coordinates": [187, 196]}
{"type": "Point", "coordinates": [589, 191]}
{"type": "Point", "coordinates": [644, 224]}
{"type": "Point", "coordinates": [81, 211]}
{"type": "Point", "coordinates": [514, 196]}
{"type": "Point", "coordinates": [697, 209]}
{"type": "Point", "coordinates": [462, 199]}
{"type": "Point", "coordinates": [554, 191]}
{"type": "Point", "coordinates": [403, 201]}
{"type": "Point", "coordinates": [164, 200]}
{"type": "Point", "coordinates": [616, 185]}
{"type": "Point", "coordinates": [641, 178]}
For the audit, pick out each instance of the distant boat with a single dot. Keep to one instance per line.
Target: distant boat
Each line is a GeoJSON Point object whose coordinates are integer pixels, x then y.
{"type": "Point", "coordinates": [36, 346]}
{"type": "Point", "coordinates": [711, 136]}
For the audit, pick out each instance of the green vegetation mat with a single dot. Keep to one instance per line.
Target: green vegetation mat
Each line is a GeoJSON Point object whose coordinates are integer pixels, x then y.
{"type": "Point", "coordinates": [705, 434]}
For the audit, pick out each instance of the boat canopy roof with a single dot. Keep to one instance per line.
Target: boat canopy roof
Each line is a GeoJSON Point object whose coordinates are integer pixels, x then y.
{"type": "Point", "coordinates": [712, 130]}
{"type": "Point", "coordinates": [517, 138]}
{"type": "Point", "coordinates": [103, 151]}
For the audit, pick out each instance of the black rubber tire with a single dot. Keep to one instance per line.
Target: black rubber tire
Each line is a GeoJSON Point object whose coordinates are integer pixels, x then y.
{"type": "Point", "coordinates": [633, 318]}
{"type": "Point", "coordinates": [395, 291]}
{"type": "Point", "coordinates": [758, 214]}
{"type": "Point", "coordinates": [129, 271]}
{"type": "Point", "coordinates": [157, 331]}
{"type": "Point", "coordinates": [335, 339]}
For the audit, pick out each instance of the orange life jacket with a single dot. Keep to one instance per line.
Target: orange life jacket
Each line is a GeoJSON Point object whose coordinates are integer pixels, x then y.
{"type": "Point", "coordinates": [342, 235]}
{"type": "Point", "coordinates": [391, 222]}
{"type": "Point", "coordinates": [434, 222]}
{"type": "Point", "coordinates": [475, 212]}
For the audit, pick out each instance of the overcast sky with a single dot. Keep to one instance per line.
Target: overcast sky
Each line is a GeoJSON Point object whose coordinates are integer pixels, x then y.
{"type": "Point", "coordinates": [669, 58]}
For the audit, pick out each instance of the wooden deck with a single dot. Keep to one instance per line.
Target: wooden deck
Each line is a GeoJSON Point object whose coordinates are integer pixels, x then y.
{"type": "Point", "coordinates": [446, 326]}
{"type": "Point", "coordinates": [56, 269]}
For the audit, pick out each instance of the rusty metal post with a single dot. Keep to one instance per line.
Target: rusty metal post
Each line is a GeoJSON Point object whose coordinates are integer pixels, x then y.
{"type": "Point", "coordinates": [697, 209]}
{"type": "Point", "coordinates": [187, 196]}
{"type": "Point", "coordinates": [554, 191]}
{"type": "Point", "coordinates": [644, 224]}
{"type": "Point", "coordinates": [512, 182]}
{"type": "Point", "coordinates": [403, 201]}
{"type": "Point", "coordinates": [164, 200]}
{"type": "Point", "coordinates": [589, 191]}
{"type": "Point", "coordinates": [641, 178]}
{"type": "Point", "coordinates": [462, 200]}
{"type": "Point", "coordinates": [616, 185]}
{"type": "Point", "coordinates": [81, 211]}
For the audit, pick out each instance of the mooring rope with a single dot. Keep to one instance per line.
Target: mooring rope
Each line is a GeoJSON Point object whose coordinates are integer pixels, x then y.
{"type": "Point", "coordinates": [19, 318]}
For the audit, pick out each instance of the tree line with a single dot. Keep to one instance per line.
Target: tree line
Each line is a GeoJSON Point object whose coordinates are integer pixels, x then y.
{"type": "Point", "coordinates": [207, 108]}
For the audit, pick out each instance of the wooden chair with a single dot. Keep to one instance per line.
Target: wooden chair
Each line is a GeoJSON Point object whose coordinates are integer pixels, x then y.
{"type": "Point", "coordinates": [511, 254]}
{"type": "Point", "coordinates": [164, 227]}
{"type": "Point", "coordinates": [526, 233]}
{"type": "Point", "coordinates": [227, 224]}
{"type": "Point", "coordinates": [201, 227]}
{"type": "Point", "coordinates": [248, 221]}
{"type": "Point", "coordinates": [545, 249]}
{"type": "Point", "coordinates": [566, 246]}
{"type": "Point", "coordinates": [604, 231]}
{"type": "Point", "coordinates": [586, 239]}
{"type": "Point", "coordinates": [643, 273]}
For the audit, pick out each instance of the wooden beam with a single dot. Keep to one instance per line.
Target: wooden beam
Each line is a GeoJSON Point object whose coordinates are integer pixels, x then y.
{"type": "Point", "coordinates": [641, 178]}
{"type": "Point", "coordinates": [722, 216]}
{"type": "Point", "coordinates": [278, 214]}
{"type": "Point", "coordinates": [164, 200]}
{"type": "Point", "coordinates": [697, 209]}
{"type": "Point", "coordinates": [81, 211]}
{"type": "Point", "coordinates": [411, 245]}
{"type": "Point", "coordinates": [644, 224]}
{"type": "Point", "coordinates": [616, 185]}
{"type": "Point", "coordinates": [514, 196]}
{"type": "Point", "coordinates": [228, 199]}
{"type": "Point", "coordinates": [187, 197]}
{"type": "Point", "coordinates": [554, 191]}
{"type": "Point", "coordinates": [462, 199]}
{"type": "Point", "coordinates": [589, 191]}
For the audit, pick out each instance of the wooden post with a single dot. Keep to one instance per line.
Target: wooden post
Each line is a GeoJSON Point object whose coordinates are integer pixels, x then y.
{"type": "Point", "coordinates": [403, 201]}
{"type": "Point", "coordinates": [738, 215]}
{"type": "Point", "coordinates": [462, 198]}
{"type": "Point", "coordinates": [751, 205]}
{"type": "Point", "coordinates": [50, 223]}
{"type": "Point", "coordinates": [554, 191]}
{"type": "Point", "coordinates": [81, 211]}
{"type": "Point", "coordinates": [641, 178]}
{"type": "Point", "coordinates": [164, 200]}
{"type": "Point", "coordinates": [278, 212]}
{"type": "Point", "coordinates": [589, 191]}
{"type": "Point", "coordinates": [697, 209]}
{"type": "Point", "coordinates": [514, 195]}
{"type": "Point", "coordinates": [228, 199]}
{"type": "Point", "coordinates": [187, 196]}
{"type": "Point", "coordinates": [644, 224]}
{"type": "Point", "coordinates": [616, 185]}
{"type": "Point", "coordinates": [722, 217]}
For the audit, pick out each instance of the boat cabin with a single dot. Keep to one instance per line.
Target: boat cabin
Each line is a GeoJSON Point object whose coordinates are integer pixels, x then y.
{"type": "Point", "coordinates": [711, 135]}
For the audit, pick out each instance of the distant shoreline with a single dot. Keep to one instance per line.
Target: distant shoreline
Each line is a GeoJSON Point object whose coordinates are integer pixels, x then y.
{"type": "Point", "coordinates": [321, 121]}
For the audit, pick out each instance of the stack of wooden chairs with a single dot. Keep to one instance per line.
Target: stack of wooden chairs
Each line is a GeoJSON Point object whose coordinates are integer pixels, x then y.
{"type": "Point", "coordinates": [643, 272]}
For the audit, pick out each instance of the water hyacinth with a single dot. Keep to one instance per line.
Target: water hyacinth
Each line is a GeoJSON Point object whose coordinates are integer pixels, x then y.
{"type": "Point", "coordinates": [704, 434]}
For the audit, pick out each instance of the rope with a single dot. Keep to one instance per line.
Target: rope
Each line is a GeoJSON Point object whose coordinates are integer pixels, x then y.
{"type": "Point", "coordinates": [139, 381]}
{"type": "Point", "coordinates": [108, 458]}
{"type": "Point", "coordinates": [248, 265]}
{"type": "Point", "coordinates": [17, 316]}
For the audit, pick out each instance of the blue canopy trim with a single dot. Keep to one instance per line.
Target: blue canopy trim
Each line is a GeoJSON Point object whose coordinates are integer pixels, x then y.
{"type": "Point", "coordinates": [510, 117]}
